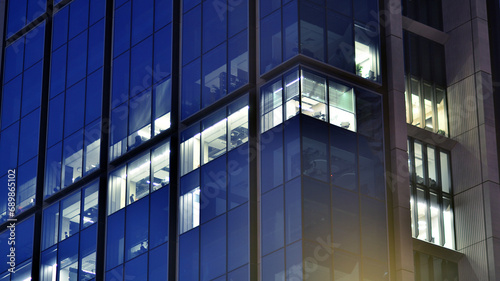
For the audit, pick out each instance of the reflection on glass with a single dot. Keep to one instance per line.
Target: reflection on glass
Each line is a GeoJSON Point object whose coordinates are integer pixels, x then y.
{"type": "Point", "coordinates": [138, 179]}
{"type": "Point", "coordinates": [346, 266]}
{"type": "Point", "coordinates": [189, 206]}
{"type": "Point", "coordinates": [449, 236]}
{"type": "Point", "coordinates": [68, 259]}
{"type": "Point", "coordinates": [190, 154]}
{"type": "Point", "coordinates": [342, 106]}
{"type": "Point", "coordinates": [162, 95]}
{"type": "Point", "coordinates": [431, 164]}
{"type": "Point", "coordinates": [90, 199]}
{"type": "Point", "coordinates": [421, 215]}
{"type": "Point", "coordinates": [214, 141]}
{"type": "Point", "coordinates": [292, 103]}
{"type": "Point", "coordinates": [415, 103]}
{"type": "Point", "coordinates": [313, 95]}
{"type": "Point", "coordinates": [445, 172]}
{"type": "Point", "coordinates": [419, 162]}
{"type": "Point", "coordinates": [161, 166]}
{"type": "Point", "coordinates": [428, 107]}
{"type": "Point", "coordinates": [70, 216]}
{"type": "Point", "coordinates": [92, 147]}
{"type": "Point", "coordinates": [435, 220]}
{"type": "Point", "coordinates": [50, 226]}
{"type": "Point", "coordinates": [271, 106]}
{"type": "Point", "coordinates": [72, 158]}
{"type": "Point", "coordinates": [442, 116]}
{"type": "Point", "coordinates": [116, 190]}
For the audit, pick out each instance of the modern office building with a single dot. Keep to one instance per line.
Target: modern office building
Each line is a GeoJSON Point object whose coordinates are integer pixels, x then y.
{"type": "Point", "coordinates": [250, 140]}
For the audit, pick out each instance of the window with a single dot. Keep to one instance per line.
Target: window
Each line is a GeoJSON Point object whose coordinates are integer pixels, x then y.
{"type": "Point", "coordinates": [132, 181]}
{"type": "Point", "coordinates": [321, 98]}
{"type": "Point", "coordinates": [429, 267]}
{"type": "Point", "coordinates": [431, 200]}
{"type": "Point", "coordinates": [429, 12]}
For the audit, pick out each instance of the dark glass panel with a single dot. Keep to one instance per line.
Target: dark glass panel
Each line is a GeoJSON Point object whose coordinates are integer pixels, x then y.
{"type": "Point", "coordinates": [312, 31]}
{"type": "Point", "coordinates": [290, 30]}
{"type": "Point", "coordinates": [158, 228]}
{"type": "Point", "coordinates": [315, 149]}
{"type": "Point", "coordinates": [238, 237]}
{"type": "Point", "coordinates": [293, 210]}
{"type": "Point", "coordinates": [188, 4]}
{"type": "Point", "coordinates": [241, 274]}
{"type": "Point", "coordinates": [136, 227]}
{"type": "Point", "coordinates": [137, 269]}
{"type": "Point", "coordinates": [346, 266]}
{"type": "Point", "coordinates": [96, 47]}
{"type": "Point", "coordinates": [77, 59]}
{"type": "Point", "coordinates": [142, 20]}
{"type": "Point", "coordinates": [163, 13]}
{"type": "Point", "coordinates": [213, 249]}
{"type": "Point", "coordinates": [121, 33]}
{"type": "Point", "coordinates": [343, 155]}
{"type": "Point", "coordinates": [8, 148]}
{"type": "Point", "coordinates": [237, 16]}
{"type": "Point", "coordinates": [189, 253]}
{"type": "Point", "coordinates": [16, 15]}
{"type": "Point", "coordinates": [28, 139]}
{"type": "Point", "coordinates": [78, 17]}
{"type": "Point", "coordinates": [341, 6]}
{"type": "Point", "coordinates": [116, 274]}
{"type": "Point", "coordinates": [120, 90]}
{"type": "Point", "coordinates": [191, 33]}
{"type": "Point", "coordinates": [270, 42]}
{"type": "Point", "coordinates": [272, 158]}
{"type": "Point", "coordinates": [74, 108]}
{"type": "Point", "coordinates": [140, 113]}
{"type": "Point", "coordinates": [190, 94]}
{"type": "Point", "coordinates": [272, 220]}
{"type": "Point", "coordinates": [34, 46]}
{"type": "Point", "coordinates": [238, 176]}
{"type": "Point", "coordinates": [13, 64]}
{"type": "Point", "coordinates": [50, 226]}
{"type": "Point", "coordinates": [376, 270]}
{"type": "Point", "coordinates": [316, 210]}
{"type": "Point", "coordinates": [97, 10]}
{"type": "Point", "coordinates": [24, 239]}
{"type": "Point", "coordinates": [141, 67]}
{"type": "Point", "coordinates": [26, 185]}
{"type": "Point", "coordinates": [162, 53]}
{"type": "Point", "coordinates": [214, 75]}
{"type": "Point", "coordinates": [213, 189]}
{"type": "Point", "coordinates": [92, 144]}
{"type": "Point", "coordinates": [238, 61]}
{"type": "Point", "coordinates": [58, 72]}
{"type": "Point", "coordinates": [11, 102]}
{"type": "Point", "coordinates": [366, 11]}
{"type": "Point", "coordinates": [340, 41]}
{"type": "Point", "coordinates": [88, 244]}
{"type": "Point", "coordinates": [93, 99]}
{"type": "Point", "coordinates": [374, 234]}
{"type": "Point", "coordinates": [273, 266]}
{"type": "Point", "coordinates": [32, 88]}
{"type": "Point", "coordinates": [319, 259]}
{"type": "Point", "coordinates": [158, 263]}
{"type": "Point", "coordinates": [346, 229]}
{"type": "Point", "coordinates": [292, 148]}
{"type": "Point", "coordinates": [60, 28]}
{"type": "Point", "coordinates": [214, 25]}
{"type": "Point", "coordinates": [267, 6]}
{"type": "Point", "coordinates": [56, 120]}
{"type": "Point", "coordinates": [294, 268]}
{"type": "Point", "coordinates": [371, 168]}
{"type": "Point", "coordinates": [115, 238]}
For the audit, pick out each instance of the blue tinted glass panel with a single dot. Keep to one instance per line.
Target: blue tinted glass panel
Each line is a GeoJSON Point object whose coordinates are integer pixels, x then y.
{"type": "Point", "coordinates": [214, 75]}
{"type": "Point", "coordinates": [72, 158]}
{"type": "Point", "coordinates": [241, 274]}
{"type": "Point", "coordinates": [74, 108]}
{"type": "Point", "coordinates": [293, 210]}
{"type": "Point", "coordinates": [163, 13]}
{"type": "Point", "coordinates": [158, 263]}
{"type": "Point", "coordinates": [322, 266]}
{"type": "Point", "coordinates": [137, 269]}
{"type": "Point", "coordinates": [267, 6]}
{"type": "Point", "coordinates": [340, 41]}
{"type": "Point", "coordinates": [115, 275]}
{"type": "Point", "coordinates": [78, 17]}
{"type": "Point", "coordinates": [50, 226]}
{"type": "Point", "coordinates": [141, 66]}
{"type": "Point", "coordinates": [238, 176]}
{"type": "Point", "coordinates": [213, 249]}
{"type": "Point", "coordinates": [316, 206]}
{"type": "Point", "coordinates": [270, 42]}
{"type": "Point", "coordinates": [237, 16]}
{"type": "Point", "coordinates": [88, 244]}
{"type": "Point", "coordinates": [92, 147]}
{"type": "Point", "coordinates": [13, 59]}
{"type": "Point", "coordinates": [374, 234]}
{"type": "Point", "coordinates": [93, 97]}
{"type": "Point", "coordinates": [24, 239]}
{"type": "Point", "coordinates": [136, 241]}
{"type": "Point", "coordinates": [11, 102]}
{"type": "Point", "coordinates": [214, 26]}
{"type": "Point", "coordinates": [341, 6]}
{"type": "Point", "coordinates": [56, 120]}
{"type": "Point", "coordinates": [315, 149]}
{"type": "Point", "coordinates": [346, 220]}
{"type": "Point", "coordinates": [371, 168]}
{"type": "Point", "coordinates": [343, 151]}
{"type": "Point", "coordinates": [118, 131]}
{"type": "Point", "coordinates": [58, 71]}
{"type": "Point", "coordinates": [191, 33]}
{"type": "Point", "coordinates": [97, 9]}
{"type": "Point", "coordinates": [366, 10]}
{"type": "Point", "coordinates": [292, 149]}
{"type": "Point", "coordinates": [290, 30]}
{"type": "Point", "coordinates": [188, 4]}
{"type": "Point", "coordinates": [16, 16]}
{"type": "Point", "coordinates": [189, 254]}
{"type": "Point", "coordinates": [32, 88]}
{"type": "Point", "coordinates": [140, 111]}
{"type": "Point", "coordinates": [162, 101]}
{"type": "Point", "coordinates": [213, 189]}
{"type": "Point", "coordinates": [4, 249]}
{"type": "Point", "coordinates": [34, 46]}
{"type": "Point", "coordinates": [162, 53]}
{"type": "Point", "coordinates": [273, 266]}
{"type": "Point", "coordinates": [48, 259]}
{"type": "Point", "coordinates": [53, 170]}
{"type": "Point", "coordinates": [272, 220]}
{"type": "Point", "coordinates": [28, 140]}
{"type": "Point", "coordinates": [3, 202]}
{"type": "Point", "coordinates": [60, 28]}
{"type": "Point", "coordinates": [8, 148]}
{"type": "Point", "coordinates": [77, 59]}
{"type": "Point", "coordinates": [238, 237]}
{"type": "Point", "coordinates": [272, 158]}
{"type": "Point", "coordinates": [96, 47]}
{"type": "Point", "coordinates": [312, 25]}
{"type": "Point", "coordinates": [238, 61]}
{"type": "Point", "coordinates": [115, 237]}
{"type": "Point", "coordinates": [120, 80]}
{"type": "Point", "coordinates": [190, 94]}
{"type": "Point", "coordinates": [158, 229]}
{"type": "Point", "coordinates": [294, 267]}
{"type": "Point", "coordinates": [142, 19]}
{"type": "Point", "coordinates": [369, 115]}
{"type": "Point", "coordinates": [121, 39]}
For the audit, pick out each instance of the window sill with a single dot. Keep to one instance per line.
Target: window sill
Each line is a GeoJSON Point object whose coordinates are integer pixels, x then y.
{"type": "Point", "coordinates": [430, 137]}
{"type": "Point", "coordinates": [436, 250]}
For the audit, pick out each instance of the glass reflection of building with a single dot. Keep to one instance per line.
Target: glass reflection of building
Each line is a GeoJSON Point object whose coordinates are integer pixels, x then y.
{"type": "Point", "coordinates": [243, 140]}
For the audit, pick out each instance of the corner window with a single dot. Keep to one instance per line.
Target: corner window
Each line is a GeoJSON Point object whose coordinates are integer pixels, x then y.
{"type": "Point", "coordinates": [431, 199]}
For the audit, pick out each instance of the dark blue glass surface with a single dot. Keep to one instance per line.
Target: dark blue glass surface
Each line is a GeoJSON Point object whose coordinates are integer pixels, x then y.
{"type": "Point", "coordinates": [373, 224]}
{"type": "Point", "coordinates": [241, 274]}
{"type": "Point", "coordinates": [77, 59]}
{"type": "Point", "coordinates": [213, 249]}
{"type": "Point", "coordinates": [120, 78]}
{"type": "Point", "coordinates": [121, 34]}
{"type": "Point", "coordinates": [115, 237]}
{"type": "Point", "coordinates": [93, 99]}
{"type": "Point", "coordinates": [78, 17]}
{"type": "Point", "coordinates": [11, 102]}
{"type": "Point", "coordinates": [136, 236]}
{"type": "Point", "coordinates": [291, 30]}
{"type": "Point", "coordinates": [189, 254]}
{"type": "Point", "coordinates": [162, 53]}
{"type": "Point", "coordinates": [213, 189]}
{"type": "Point", "coordinates": [116, 274]}
{"type": "Point", "coordinates": [191, 34]}
{"type": "Point", "coordinates": [238, 176]}
{"type": "Point", "coordinates": [26, 187]}
{"type": "Point", "coordinates": [88, 244]}
{"type": "Point", "coordinates": [267, 6]}
{"type": "Point", "coordinates": [60, 28]}
{"type": "Point", "coordinates": [118, 130]}
{"type": "Point", "coordinates": [272, 158]}
{"type": "Point", "coordinates": [162, 98]}
{"type": "Point", "coordinates": [312, 30]}
{"type": "Point", "coordinates": [137, 269]}
{"type": "Point", "coordinates": [56, 120]}
{"type": "Point", "coordinates": [190, 182]}
{"type": "Point", "coordinates": [53, 170]}
{"type": "Point", "coordinates": [188, 4]}
{"type": "Point", "coordinates": [32, 88]}
{"type": "Point", "coordinates": [190, 94]}
{"type": "Point", "coordinates": [142, 19]}
{"type": "Point", "coordinates": [8, 148]}
{"type": "Point", "coordinates": [237, 16]}
{"type": "Point", "coordinates": [158, 263]}
{"type": "Point", "coordinates": [273, 227]}
{"type": "Point", "coordinates": [141, 67]}
{"type": "Point", "coordinates": [293, 210]}
{"type": "Point", "coordinates": [34, 45]}
{"type": "Point", "coordinates": [343, 151]}
{"type": "Point", "coordinates": [163, 13]}
{"type": "Point", "coordinates": [346, 229]}
{"type": "Point", "coordinates": [238, 237]}
{"type": "Point", "coordinates": [24, 239]}
{"type": "Point", "coordinates": [16, 16]}
{"type": "Point", "coordinates": [139, 111]}
{"type": "Point", "coordinates": [238, 61]}
{"type": "Point", "coordinates": [315, 149]}
{"type": "Point", "coordinates": [371, 168]}
{"type": "Point", "coordinates": [341, 6]}
{"type": "Point", "coordinates": [13, 59]}
{"type": "Point", "coordinates": [270, 42]}
{"type": "Point", "coordinates": [97, 9]}
{"type": "Point", "coordinates": [28, 140]}
{"type": "Point", "coordinates": [316, 209]}
{"type": "Point", "coordinates": [58, 71]}
{"type": "Point", "coordinates": [214, 26]}
{"type": "Point", "coordinates": [340, 41]}
{"type": "Point", "coordinates": [158, 228]}
{"type": "Point", "coordinates": [366, 11]}
{"type": "Point", "coordinates": [292, 149]}
{"type": "Point", "coordinates": [96, 47]}
{"type": "Point", "coordinates": [74, 108]}
{"type": "Point", "coordinates": [273, 266]}
{"type": "Point", "coordinates": [72, 145]}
